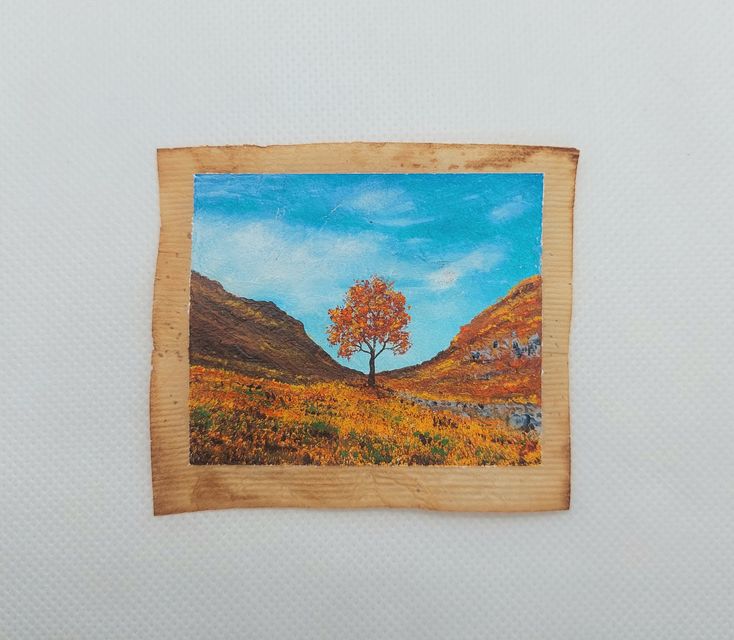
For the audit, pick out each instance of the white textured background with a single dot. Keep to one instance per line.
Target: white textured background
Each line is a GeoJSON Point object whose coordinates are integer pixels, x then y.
{"type": "Point", "coordinates": [88, 90]}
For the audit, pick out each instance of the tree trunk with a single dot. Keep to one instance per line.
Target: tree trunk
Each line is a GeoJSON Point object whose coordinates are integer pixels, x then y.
{"type": "Point", "coordinates": [371, 377]}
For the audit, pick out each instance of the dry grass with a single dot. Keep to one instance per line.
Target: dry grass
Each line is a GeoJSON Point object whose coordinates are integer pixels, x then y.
{"type": "Point", "coordinates": [237, 419]}
{"type": "Point", "coordinates": [452, 375]}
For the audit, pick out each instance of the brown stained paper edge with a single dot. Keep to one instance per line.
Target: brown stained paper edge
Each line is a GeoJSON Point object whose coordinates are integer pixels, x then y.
{"type": "Point", "coordinates": [180, 487]}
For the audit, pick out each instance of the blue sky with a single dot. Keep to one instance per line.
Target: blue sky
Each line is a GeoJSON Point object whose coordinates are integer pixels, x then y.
{"type": "Point", "coordinates": [452, 243]}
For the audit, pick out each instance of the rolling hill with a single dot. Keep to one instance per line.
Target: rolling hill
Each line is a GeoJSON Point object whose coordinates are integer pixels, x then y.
{"type": "Point", "coordinates": [254, 338]}
{"type": "Point", "coordinates": [495, 358]}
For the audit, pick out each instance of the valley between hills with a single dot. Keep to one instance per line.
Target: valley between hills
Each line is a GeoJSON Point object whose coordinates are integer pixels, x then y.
{"type": "Point", "coordinates": [263, 392]}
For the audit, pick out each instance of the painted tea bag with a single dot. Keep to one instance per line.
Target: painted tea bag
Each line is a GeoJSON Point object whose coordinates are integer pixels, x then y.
{"type": "Point", "coordinates": [332, 329]}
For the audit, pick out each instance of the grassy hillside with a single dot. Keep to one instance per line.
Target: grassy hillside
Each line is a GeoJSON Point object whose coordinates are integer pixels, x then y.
{"type": "Point", "coordinates": [255, 338]}
{"type": "Point", "coordinates": [488, 361]}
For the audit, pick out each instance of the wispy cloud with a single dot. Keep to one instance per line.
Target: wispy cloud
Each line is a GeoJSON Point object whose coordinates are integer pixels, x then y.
{"type": "Point", "coordinates": [263, 259]}
{"type": "Point", "coordinates": [509, 210]}
{"type": "Point", "coordinates": [405, 221]}
{"type": "Point", "coordinates": [479, 260]}
{"type": "Point", "coordinates": [377, 200]}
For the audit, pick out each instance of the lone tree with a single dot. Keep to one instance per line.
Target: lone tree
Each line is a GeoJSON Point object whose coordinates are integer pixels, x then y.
{"type": "Point", "coordinates": [373, 318]}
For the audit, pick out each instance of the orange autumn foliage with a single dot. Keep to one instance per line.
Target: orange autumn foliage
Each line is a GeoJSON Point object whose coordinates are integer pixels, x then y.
{"type": "Point", "coordinates": [373, 319]}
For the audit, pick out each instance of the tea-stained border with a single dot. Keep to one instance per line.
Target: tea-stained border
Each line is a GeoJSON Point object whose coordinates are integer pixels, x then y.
{"type": "Point", "coordinates": [179, 486]}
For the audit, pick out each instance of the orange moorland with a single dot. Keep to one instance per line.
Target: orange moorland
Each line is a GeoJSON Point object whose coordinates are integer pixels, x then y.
{"type": "Point", "coordinates": [237, 419]}
{"type": "Point", "coordinates": [494, 358]}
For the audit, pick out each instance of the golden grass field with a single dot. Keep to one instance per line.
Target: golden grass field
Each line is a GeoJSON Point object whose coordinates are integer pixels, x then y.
{"type": "Point", "coordinates": [238, 419]}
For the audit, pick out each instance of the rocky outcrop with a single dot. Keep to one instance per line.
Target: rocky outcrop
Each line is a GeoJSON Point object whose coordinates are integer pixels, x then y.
{"type": "Point", "coordinates": [525, 417]}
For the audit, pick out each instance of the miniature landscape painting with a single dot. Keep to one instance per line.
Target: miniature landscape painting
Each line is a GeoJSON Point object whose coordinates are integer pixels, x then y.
{"type": "Point", "coordinates": [366, 319]}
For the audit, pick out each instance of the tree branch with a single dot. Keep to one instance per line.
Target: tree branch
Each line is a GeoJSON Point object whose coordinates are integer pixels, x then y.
{"type": "Point", "coordinates": [369, 351]}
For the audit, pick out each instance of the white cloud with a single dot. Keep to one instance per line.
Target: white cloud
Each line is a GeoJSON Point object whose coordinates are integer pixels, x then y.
{"type": "Point", "coordinates": [379, 200]}
{"type": "Point", "coordinates": [443, 278]}
{"type": "Point", "coordinates": [509, 210]}
{"type": "Point", "coordinates": [311, 268]}
{"type": "Point", "coordinates": [480, 260]}
{"type": "Point", "coordinates": [406, 221]}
